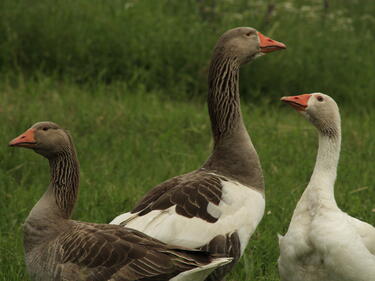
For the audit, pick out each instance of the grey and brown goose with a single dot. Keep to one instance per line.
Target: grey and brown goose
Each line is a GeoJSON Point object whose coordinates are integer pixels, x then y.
{"type": "Point", "coordinates": [217, 207]}
{"type": "Point", "coordinates": [57, 248]}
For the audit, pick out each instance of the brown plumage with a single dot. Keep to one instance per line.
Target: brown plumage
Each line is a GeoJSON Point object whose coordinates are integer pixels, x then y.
{"type": "Point", "coordinates": [57, 248]}
{"type": "Point", "coordinates": [233, 164]}
{"type": "Point", "coordinates": [190, 194]}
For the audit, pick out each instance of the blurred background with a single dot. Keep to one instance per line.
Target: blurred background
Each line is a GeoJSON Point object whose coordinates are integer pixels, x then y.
{"type": "Point", "coordinates": [128, 79]}
{"type": "Point", "coordinates": [165, 44]}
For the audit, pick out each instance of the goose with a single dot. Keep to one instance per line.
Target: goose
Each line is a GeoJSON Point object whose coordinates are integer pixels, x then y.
{"type": "Point", "coordinates": [60, 249]}
{"type": "Point", "coordinates": [323, 243]}
{"type": "Point", "coordinates": [218, 206]}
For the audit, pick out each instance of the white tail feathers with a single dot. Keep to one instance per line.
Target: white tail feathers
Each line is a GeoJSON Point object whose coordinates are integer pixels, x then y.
{"type": "Point", "coordinates": [200, 273]}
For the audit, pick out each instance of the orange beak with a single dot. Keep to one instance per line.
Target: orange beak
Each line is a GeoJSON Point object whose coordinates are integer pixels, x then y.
{"type": "Point", "coordinates": [27, 139]}
{"type": "Point", "coordinates": [297, 102]}
{"type": "Point", "coordinates": [267, 45]}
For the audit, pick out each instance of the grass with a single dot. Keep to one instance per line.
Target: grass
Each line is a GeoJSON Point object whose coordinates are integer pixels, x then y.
{"type": "Point", "coordinates": [127, 77]}
{"type": "Point", "coordinates": [129, 140]}
{"type": "Point", "coordinates": [166, 44]}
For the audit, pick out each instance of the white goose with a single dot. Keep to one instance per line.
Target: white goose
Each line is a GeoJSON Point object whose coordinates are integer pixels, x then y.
{"type": "Point", "coordinates": [217, 207]}
{"type": "Point", "coordinates": [323, 243]}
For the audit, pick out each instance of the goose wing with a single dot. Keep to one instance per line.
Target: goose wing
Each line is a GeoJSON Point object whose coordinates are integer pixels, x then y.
{"type": "Point", "coordinates": [349, 257]}
{"type": "Point", "coordinates": [102, 252]}
{"type": "Point", "coordinates": [196, 210]}
{"type": "Point", "coordinates": [366, 232]}
{"type": "Point", "coordinates": [190, 194]}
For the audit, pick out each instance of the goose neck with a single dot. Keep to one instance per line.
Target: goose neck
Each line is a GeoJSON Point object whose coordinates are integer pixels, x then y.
{"type": "Point", "coordinates": [65, 180]}
{"type": "Point", "coordinates": [325, 170]}
{"type": "Point", "coordinates": [49, 215]}
{"type": "Point", "coordinates": [233, 155]}
{"type": "Point", "coordinates": [223, 96]}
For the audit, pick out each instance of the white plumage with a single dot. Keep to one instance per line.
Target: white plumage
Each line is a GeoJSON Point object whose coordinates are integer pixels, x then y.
{"type": "Point", "coordinates": [323, 243]}
{"type": "Point", "coordinates": [240, 209]}
{"type": "Point", "coordinates": [200, 273]}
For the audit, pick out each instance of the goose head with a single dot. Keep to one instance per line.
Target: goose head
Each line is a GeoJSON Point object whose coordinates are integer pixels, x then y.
{"type": "Point", "coordinates": [245, 44]}
{"type": "Point", "coordinates": [320, 109]}
{"type": "Point", "coordinates": [46, 138]}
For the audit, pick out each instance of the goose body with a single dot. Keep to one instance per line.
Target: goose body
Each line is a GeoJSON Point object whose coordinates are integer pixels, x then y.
{"type": "Point", "coordinates": [217, 207]}
{"type": "Point", "coordinates": [323, 243]}
{"type": "Point", "coordinates": [60, 249]}
{"type": "Point", "coordinates": [234, 210]}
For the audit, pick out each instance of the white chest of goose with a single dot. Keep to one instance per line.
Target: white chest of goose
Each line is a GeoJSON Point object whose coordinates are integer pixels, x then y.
{"type": "Point", "coordinates": [217, 207]}
{"type": "Point", "coordinates": [60, 249]}
{"type": "Point", "coordinates": [323, 243]}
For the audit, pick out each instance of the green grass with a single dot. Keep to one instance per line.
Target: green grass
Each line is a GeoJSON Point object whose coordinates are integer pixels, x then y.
{"type": "Point", "coordinates": [130, 140]}
{"type": "Point", "coordinates": [166, 44]}
{"type": "Point", "coordinates": [128, 77]}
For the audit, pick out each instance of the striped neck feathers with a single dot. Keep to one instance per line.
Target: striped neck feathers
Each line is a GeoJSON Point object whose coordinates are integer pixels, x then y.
{"type": "Point", "coordinates": [65, 179]}
{"type": "Point", "coordinates": [234, 154]}
{"type": "Point", "coordinates": [223, 96]}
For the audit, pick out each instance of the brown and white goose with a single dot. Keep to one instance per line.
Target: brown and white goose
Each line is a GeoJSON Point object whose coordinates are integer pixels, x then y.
{"type": "Point", "coordinates": [60, 249]}
{"type": "Point", "coordinates": [217, 207]}
{"type": "Point", "coordinates": [323, 243]}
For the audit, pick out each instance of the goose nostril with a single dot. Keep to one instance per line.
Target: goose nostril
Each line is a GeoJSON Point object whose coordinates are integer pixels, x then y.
{"type": "Point", "coordinates": [22, 137]}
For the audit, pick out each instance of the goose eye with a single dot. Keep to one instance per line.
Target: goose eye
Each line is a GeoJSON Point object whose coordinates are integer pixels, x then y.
{"type": "Point", "coordinates": [319, 98]}
{"type": "Point", "coordinates": [45, 128]}
{"type": "Point", "coordinates": [249, 34]}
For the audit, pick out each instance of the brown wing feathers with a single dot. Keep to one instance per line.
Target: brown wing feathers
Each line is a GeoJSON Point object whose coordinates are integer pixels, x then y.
{"type": "Point", "coordinates": [109, 251]}
{"type": "Point", "coordinates": [190, 193]}
{"type": "Point", "coordinates": [60, 249]}
{"type": "Point", "coordinates": [226, 245]}
{"type": "Point", "coordinates": [156, 192]}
